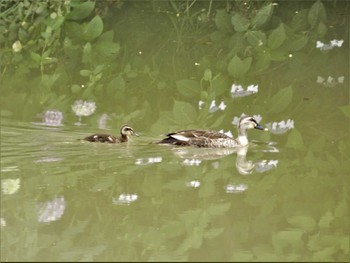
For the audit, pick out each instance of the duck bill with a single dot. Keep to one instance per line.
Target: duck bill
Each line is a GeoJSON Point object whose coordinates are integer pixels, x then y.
{"type": "Point", "coordinates": [259, 127]}
{"type": "Point", "coordinates": [135, 134]}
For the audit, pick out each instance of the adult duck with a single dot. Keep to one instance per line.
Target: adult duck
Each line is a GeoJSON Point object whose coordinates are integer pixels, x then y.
{"type": "Point", "coordinates": [213, 139]}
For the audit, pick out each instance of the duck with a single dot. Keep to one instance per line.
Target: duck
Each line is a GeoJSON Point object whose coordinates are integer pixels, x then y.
{"type": "Point", "coordinates": [213, 139]}
{"type": "Point", "coordinates": [125, 131]}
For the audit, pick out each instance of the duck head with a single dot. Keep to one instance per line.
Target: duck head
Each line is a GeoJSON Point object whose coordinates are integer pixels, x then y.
{"type": "Point", "coordinates": [126, 130]}
{"type": "Point", "coordinates": [248, 122]}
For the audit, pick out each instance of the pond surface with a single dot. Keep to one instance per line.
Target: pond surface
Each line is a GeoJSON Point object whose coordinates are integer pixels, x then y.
{"type": "Point", "coordinates": [285, 197]}
{"type": "Point", "coordinates": [68, 199]}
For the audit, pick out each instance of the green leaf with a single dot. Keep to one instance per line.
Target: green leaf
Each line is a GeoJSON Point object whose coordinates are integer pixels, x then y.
{"type": "Point", "coordinates": [263, 61]}
{"type": "Point", "coordinates": [291, 239]}
{"type": "Point", "coordinates": [299, 21]}
{"type": "Point", "coordinates": [278, 55]}
{"type": "Point", "coordinates": [184, 113]}
{"type": "Point", "coordinates": [87, 53]}
{"type": "Point", "coordinates": [49, 80]}
{"type": "Point", "coordinates": [102, 185]}
{"type": "Point", "coordinates": [262, 16]}
{"type": "Point", "coordinates": [281, 100]}
{"type": "Point", "coordinates": [219, 209]}
{"type": "Point", "coordinates": [277, 37]}
{"type": "Point", "coordinates": [297, 43]}
{"type": "Point", "coordinates": [325, 254]}
{"type": "Point", "coordinates": [81, 11]}
{"type": "Point", "coordinates": [239, 22]}
{"type": "Point", "coordinates": [35, 57]}
{"type": "Point", "coordinates": [345, 110]}
{"type": "Point", "coordinates": [85, 72]}
{"type": "Point", "coordinates": [295, 140]}
{"type": "Point", "coordinates": [75, 88]}
{"type": "Point", "coordinates": [316, 14]}
{"type": "Point", "coordinates": [49, 60]}
{"type": "Point", "coordinates": [116, 87]}
{"type": "Point", "coordinates": [73, 30]}
{"type": "Point", "coordinates": [306, 223]}
{"type": "Point", "coordinates": [208, 75]}
{"type": "Point", "coordinates": [106, 37]}
{"type": "Point", "coordinates": [218, 121]}
{"type": "Point", "coordinates": [222, 20]}
{"type": "Point", "coordinates": [221, 84]}
{"type": "Point", "coordinates": [326, 220]}
{"type": "Point", "coordinates": [94, 28]}
{"type": "Point", "coordinates": [213, 232]}
{"type": "Point", "coordinates": [256, 38]}
{"type": "Point", "coordinates": [188, 88]}
{"type": "Point", "coordinates": [342, 209]}
{"type": "Point", "coordinates": [321, 29]}
{"type": "Point", "coordinates": [173, 228]}
{"type": "Point", "coordinates": [237, 68]}
{"type": "Point", "coordinates": [98, 69]}
{"type": "Point", "coordinates": [242, 256]}
{"type": "Point", "coordinates": [107, 49]}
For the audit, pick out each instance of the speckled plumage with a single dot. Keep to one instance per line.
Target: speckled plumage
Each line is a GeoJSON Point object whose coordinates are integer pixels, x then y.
{"type": "Point", "coordinates": [212, 139]}
{"type": "Point", "coordinates": [125, 131]}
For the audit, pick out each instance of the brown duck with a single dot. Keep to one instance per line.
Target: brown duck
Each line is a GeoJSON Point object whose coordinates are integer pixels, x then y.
{"type": "Point", "coordinates": [213, 139]}
{"type": "Point", "coordinates": [125, 131]}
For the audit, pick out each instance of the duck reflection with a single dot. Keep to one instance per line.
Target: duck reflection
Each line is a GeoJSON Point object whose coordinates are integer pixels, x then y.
{"type": "Point", "coordinates": [202, 153]}
{"type": "Point", "coordinates": [194, 156]}
{"type": "Point", "coordinates": [243, 166]}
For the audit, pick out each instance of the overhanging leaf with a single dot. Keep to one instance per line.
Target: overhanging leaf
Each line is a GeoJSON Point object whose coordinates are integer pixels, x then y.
{"type": "Point", "coordinates": [299, 21]}
{"type": "Point", "coordinates": [239, 22]}
{"type": "Point", "coordinates": [222, 20]}
{"type": "Point", "coordinates": [316, 14]}
{"type": "Point", "coordinates": [237, 67]}
{"type": "Point", "coordinates": [263, 15]}
{"type": "Point", "coordinates": [188, 88]}
{"type": "Point", "coordinates": [221, 84]}
{"type": "Point", "coordinates": [81, 11]}
{"type": "Point", "coordinates": [184, 113]}
{"type": "Point", "coordinates": [295, 140]}
{"type": "Point", "coordinates": [277, 37]}
{"type": "Point", "coordinates": [281, 100]}
{"type": "Point", "coordinates": [297, 43]}
{"type": "Point", "coordinates": [256, 38]}
{"type": "Point", "coordinates": [107, 49]}
{"type": "Point", "coordinates": [345, 110]}
{"type": "Point", "coordinates": [306, 223]}
{"type": "Point", "coordinates": [94, 28]}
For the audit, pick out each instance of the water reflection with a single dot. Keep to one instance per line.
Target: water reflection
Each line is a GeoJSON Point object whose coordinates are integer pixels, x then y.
{"type": "Point", "coordinates": [194, 156]}
{"type": "Point", "coordinates": [51, 210]}
{"type": "Point", "coordinates": [167, 196]}
{"type": "Point", "coordinates": [124, 199]}
{"type": "Point", "coordinates": [150, 160]}
{"type": "Point", "coordinates": [10, 186]}
{"type": "Point", "coordinates": [202, 153]}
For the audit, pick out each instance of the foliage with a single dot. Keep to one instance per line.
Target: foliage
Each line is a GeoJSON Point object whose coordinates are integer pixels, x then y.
{"type": "Point", "coordinates": [71, 50]}
{"type": "Point", "coordinates": [151, 63]}
{"type": "Point", "coordinates": [298, 212]}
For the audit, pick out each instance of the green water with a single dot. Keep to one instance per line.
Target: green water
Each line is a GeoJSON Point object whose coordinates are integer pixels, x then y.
{"type": "Point", "coordinates": [283, 198]}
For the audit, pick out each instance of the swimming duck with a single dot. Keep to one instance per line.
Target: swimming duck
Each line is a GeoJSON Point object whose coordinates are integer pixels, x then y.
{"type": "Point", "coordinates": [125, 130]}
{"type": "Point", "coordinates": [213, 139]}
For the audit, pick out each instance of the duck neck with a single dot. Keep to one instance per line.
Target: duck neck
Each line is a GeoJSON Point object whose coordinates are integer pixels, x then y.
{"type": "Point", "coordinates": [123, 138]}
{"type": "Point", "coordinates": [242, 136]}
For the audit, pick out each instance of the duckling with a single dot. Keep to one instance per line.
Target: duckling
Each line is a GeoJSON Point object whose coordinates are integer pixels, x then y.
{"type": "Point", "coordinates": [213, 139]}
{"type": "Point", "coordinates": [125, 131]}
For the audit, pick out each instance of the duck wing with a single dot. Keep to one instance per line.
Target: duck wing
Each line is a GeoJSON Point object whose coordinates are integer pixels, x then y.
{"type": "Point", "coordinates": [200, 138]}
{"type": "Point", "coordinates": [101, 138]}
